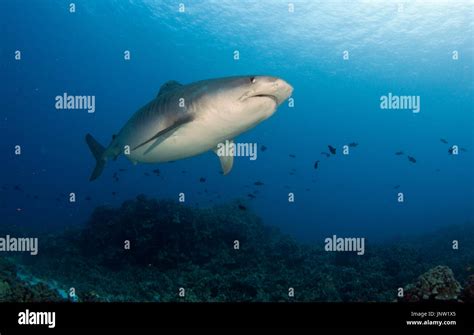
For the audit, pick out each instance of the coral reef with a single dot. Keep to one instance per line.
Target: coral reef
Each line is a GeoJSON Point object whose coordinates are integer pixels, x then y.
{"type": "Point", "coordinates": [436, 284]}
{"type": "Point", "coordinates": [14, 289]}
{"type": "Point", "coordinates": [148, 250]}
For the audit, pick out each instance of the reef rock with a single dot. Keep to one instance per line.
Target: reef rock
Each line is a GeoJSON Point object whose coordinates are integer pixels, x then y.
{"type": "Point", "coordinates": [468, 292]}
{"type": "Point", "coordinates": [437, 283]}
{"type": "Point", "coordinates": [165, 234]}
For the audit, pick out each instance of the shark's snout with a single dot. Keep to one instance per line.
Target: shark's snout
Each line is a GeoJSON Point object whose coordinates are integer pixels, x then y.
{"type": "Point", "coordinates": [283, 90]}
{"type": "Point", "coordinates": [272, 87]}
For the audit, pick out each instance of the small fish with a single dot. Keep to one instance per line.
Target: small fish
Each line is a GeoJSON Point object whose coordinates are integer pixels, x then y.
{"type": "Point", "coordinates": [114, 175]}
{"type": "Point", "coordinates": [451, 150]}
{"type": "Point", "coordinates": [292, 156]}
{"type": "Point", "coordinates": [88, 198]}
{"type": "Point", "coordinates": [258, 183]}
{"type": "Point", "coordinates": [326, 154]}
{"type": "Point", "coordinates": [202, 180]}
{"type": "Point", "coordinates": [242, 207]}
{"type": "Point", "coordinates": [146, 174]}
{"type": "Point", "coordinates": [114, 194]}
{"type": "Point", "coordinates": [256, 192]}
{"type": "Point", "coordinates": [156, 171]}
{"type": "Point", "coordinates": [122, 170]}
{"type": "Point", "coordinates": [316, 164]}
{"type": "Point", "coordinates": [183, 171]}
{"type": "Point", "coordinates": [251, 196]}
{"type": "Point", "coordinates": [35, 197]}
{"type": "Point", "coordinates": [437, 170]}
{"type": "Point", "coordinates": [443, 140]}
{"type": "Point", "coordinates": [411, 159]}
{"type": "Point", "coordinates": [396, 187]}
{"type": "Point", "coordinates": [4, 187]}
{"type": "Point", "coordinates": [18, 188]}
{"type": "Point", "coordinates": [307, 189]}
{"type": "Point", "coordinates": [399, 153]}
{"type": "Point", "coordinates": [353, 144]}
{"type": "Point", "coordinates": [332, 149]}
{"type": "Point", "coordinates": [263, 148]}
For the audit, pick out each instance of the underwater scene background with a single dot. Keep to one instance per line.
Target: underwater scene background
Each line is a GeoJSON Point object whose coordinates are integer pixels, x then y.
{"type": "Point", "coordinates": [331, 162]}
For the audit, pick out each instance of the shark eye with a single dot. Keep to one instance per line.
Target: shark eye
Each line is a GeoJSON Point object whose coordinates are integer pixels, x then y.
{"type": "Point", "coordinates": [252, 80]}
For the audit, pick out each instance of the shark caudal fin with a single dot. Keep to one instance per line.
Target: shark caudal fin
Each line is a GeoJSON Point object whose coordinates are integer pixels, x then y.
{"type": "Point", "coordinates": [98, 152]}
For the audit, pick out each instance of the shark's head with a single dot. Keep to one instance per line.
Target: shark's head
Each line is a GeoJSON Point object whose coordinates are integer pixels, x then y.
{"type": "Point", "coordinates": [250, 99]}
{"type": "Point", "coordinates": [263, 89]}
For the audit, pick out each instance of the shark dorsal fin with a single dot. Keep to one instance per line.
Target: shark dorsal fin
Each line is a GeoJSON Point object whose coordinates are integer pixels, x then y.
{"type": "Point", "coordinates": [168, 86]}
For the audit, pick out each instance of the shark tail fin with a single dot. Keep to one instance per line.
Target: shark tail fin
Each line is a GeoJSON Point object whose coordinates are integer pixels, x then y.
{"type": "Point", "coordinates": [98, 151]}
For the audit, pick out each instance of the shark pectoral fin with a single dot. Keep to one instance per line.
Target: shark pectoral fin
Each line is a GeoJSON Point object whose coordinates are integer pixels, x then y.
{"type": "Point", "coordinates": [226, 161]}
{"type": "Point", "coordinates": [165, 132]}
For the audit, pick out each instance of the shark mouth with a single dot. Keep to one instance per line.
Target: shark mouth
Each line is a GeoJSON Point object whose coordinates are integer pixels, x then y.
{"type": "Point", "coordinates": [274, 98]}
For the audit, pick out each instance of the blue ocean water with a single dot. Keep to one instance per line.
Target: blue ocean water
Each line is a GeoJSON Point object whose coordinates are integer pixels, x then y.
{"type": "Point", "coordinates": [404, 50]}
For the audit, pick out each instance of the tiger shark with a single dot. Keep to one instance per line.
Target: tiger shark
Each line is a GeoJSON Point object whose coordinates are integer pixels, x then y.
{"type": "Point", "coordinates": [187, 120]}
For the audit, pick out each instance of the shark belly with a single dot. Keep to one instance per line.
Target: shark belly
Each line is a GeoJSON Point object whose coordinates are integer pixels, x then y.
{"type": "Point", "coordinates": [188, 140]}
